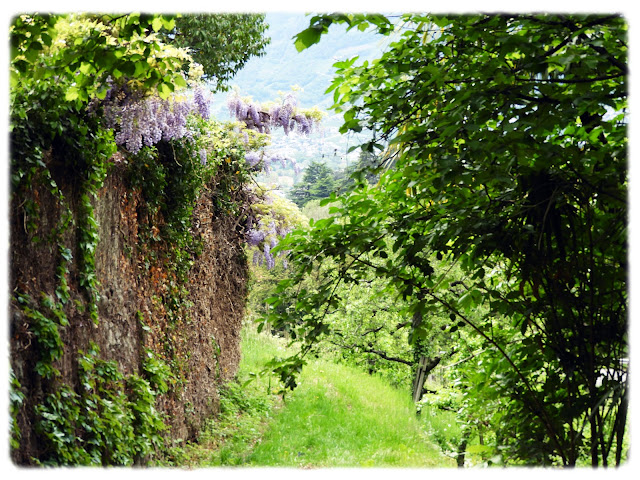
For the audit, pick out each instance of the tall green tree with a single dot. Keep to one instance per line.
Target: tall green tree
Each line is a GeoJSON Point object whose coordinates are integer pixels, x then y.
{"type": "Point", "coordinates": [506, 137]}
{"type": "Point", "coordinates": [317, 182]}
{"type": "Point", "coordinates": [222, 43]}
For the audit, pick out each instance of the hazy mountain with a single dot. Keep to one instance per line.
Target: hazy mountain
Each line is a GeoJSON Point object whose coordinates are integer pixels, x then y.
{"type": "Point", "coordinates": [283, 67]}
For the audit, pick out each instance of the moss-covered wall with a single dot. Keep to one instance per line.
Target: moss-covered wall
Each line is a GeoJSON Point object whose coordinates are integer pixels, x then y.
{"type": "Point", "coordinates": [145, 310]}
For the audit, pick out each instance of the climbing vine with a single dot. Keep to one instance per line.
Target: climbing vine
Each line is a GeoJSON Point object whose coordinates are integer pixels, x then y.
{"type": "Point", "coordinates": [112, 420]}
{"type": "Point", "coordinates": [63, 146]}
{"type": "Point", "coordinates": [93, 95]}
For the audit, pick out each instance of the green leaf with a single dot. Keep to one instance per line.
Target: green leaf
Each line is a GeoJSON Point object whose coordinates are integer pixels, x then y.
{"type": "Point", "coordinates": [141, 69]}
{"type": "Point", "coordinates": [478, 449]}
{"type": "Point", "coordinates": [165, 90]}
{"type": "Point", "coordinates": [307, 37]}
{"type": "Point", "coordinates": [71, 94]}
{"type": "Point", "coordinates": [157, 24]}
{"type": "Point", "coordinates": [46, 39]}
{"type": "Point", "coordinates": [179, 81]}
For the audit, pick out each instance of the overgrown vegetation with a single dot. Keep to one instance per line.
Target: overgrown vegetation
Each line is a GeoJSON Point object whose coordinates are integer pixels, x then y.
{"type": "Point", "coordinates": [69, 76]}
{"type": "Point", "coordinates": [504, 153]}
{"type": "Point", "coordinates": [53, 133]}
{"type": "Point", "coordinates": [111, 421]}
{"type": "Point", "coordinates": [339, 416]}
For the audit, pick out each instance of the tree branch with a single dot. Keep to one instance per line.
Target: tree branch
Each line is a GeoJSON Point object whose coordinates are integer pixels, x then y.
{"type": "Point", "coordinates": [539, 409]}
{"type": "Point", "coordinates": [570, 80]}
{"type": "Point", "coordinates": [380, 353]}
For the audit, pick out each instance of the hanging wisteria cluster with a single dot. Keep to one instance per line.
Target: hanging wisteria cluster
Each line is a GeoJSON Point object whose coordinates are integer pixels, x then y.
{"type": "Point", "coordinates": [263, 117]}
{"type": "Point", "coordinates": [253, 158]}
{"type": "Point", "coordinates": [270, 219]}
{"type": "Point", "coordinates": [264, 231]}
{"type": "Point", "coordinates": [145, 120]}
{"type": "Point", "coordinates": [266, 238]}
{"type": "Point", "coordinates": [283, 114]}
{"type": "Point", "coordinates": [201, 101]}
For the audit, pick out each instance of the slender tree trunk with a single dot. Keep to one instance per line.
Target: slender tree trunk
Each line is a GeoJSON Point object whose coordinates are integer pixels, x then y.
{"type": "Point", "coordinates": [601, 438]}
{"type": "Point", "coordinates": [462, 448]}
{"type": "Point", "coordinates": [594, 440]}
{"type": "Point", "coordinates": [620, 424]}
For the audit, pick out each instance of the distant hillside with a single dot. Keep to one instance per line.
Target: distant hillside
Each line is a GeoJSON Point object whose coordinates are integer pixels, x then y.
{"type": "Point", "coordinates": [283, 67]}
{"type": "Point", "coordinates": [311, 69]}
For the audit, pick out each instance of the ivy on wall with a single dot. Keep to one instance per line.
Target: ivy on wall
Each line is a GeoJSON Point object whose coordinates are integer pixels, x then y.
{"type": "Point", "coordinates": [61, 140]}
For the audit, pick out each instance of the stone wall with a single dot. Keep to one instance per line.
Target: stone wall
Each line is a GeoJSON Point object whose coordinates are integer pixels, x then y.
{"type": "Point", "coordinates": [199, 339]}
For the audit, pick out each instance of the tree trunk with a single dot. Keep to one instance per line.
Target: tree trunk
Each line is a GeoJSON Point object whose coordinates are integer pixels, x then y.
{"type": "Point", "coordinates": [462, 448]}
{"type": "Point", "coordinates": [424, 368]}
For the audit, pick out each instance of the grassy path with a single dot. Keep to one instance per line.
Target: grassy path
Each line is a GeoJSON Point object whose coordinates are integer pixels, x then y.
{"type": "Point", "coordinates": [337, 417]}
{"type": "Point", "coordinates": [341, 417]}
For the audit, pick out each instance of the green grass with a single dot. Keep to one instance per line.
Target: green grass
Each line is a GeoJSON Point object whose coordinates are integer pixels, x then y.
{"type": "Point", "coordinates": [442, 428]}
{"type": "Point", "coordinates": [342, 417]}
{"type": "Point", "coordinates": [337, 417]}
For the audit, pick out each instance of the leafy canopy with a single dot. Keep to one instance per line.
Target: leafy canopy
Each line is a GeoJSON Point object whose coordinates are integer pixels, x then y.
{"type": "Point", "coordinates": [105, 46]}
{"type": "Point", "coordinates": [221, 43]}
{"type": "Point", "coordinates": [504, 138]}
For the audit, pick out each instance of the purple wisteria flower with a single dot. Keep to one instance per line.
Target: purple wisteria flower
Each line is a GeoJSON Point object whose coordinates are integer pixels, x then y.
{"type": "Point", "coordinates": [202, 104]}
{"type": "Point", "coordinates": [252, 112]}
{"type": "Point", "coordinates": [268, 256]}
{"type": "Point", "coordinates": [281, 114]}
{"type": "Point", "coordinates": [203, 156]}
{"type": "Point", "coordinates": [263, 239]}
{"type": "Point", "coordinates": [252, 158]}
{"type": "Point", "coordinates": [255, 237]}
{"type": "Point", "coordinates": [139, 121]}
